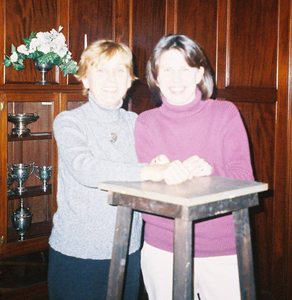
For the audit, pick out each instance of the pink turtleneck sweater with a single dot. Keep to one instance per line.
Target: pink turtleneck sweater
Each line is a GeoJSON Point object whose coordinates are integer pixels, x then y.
{"type": "Point", "coordinates": [214, 131]}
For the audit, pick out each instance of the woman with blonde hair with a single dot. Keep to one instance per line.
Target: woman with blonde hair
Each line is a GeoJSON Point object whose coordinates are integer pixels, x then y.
{"type": "Point", "coordinates": [96, 143]}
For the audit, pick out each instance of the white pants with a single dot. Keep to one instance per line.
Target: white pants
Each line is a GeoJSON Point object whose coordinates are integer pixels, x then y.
{"type": "Point", "coordinates": [216, 278]}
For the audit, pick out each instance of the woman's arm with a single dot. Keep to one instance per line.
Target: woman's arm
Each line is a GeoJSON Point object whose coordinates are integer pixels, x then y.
{"type": "Point", "coordinates": [236, 151]}
{"type": "Point", "coordinates": [78, 159]}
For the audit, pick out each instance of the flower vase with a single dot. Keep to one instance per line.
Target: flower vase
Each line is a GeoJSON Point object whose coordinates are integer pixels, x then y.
{"type": "Point", "coordinates": [43, 69]}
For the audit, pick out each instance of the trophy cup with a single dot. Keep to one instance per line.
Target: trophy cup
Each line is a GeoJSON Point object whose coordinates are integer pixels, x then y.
{"type": "Point", "coordinates": [20, 121]}
{"type": "Point", "coordinates": [10, 180]}
{"type": "Point", "coordinates": [22, 220]}
{"type": "Point", "coordinates": [45, 173]}
{"type": "Point", "coordinates": [21, 173]}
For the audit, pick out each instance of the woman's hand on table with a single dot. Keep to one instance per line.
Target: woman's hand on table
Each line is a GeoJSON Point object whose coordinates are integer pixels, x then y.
{"type": "Point", "coordinates": [176, 173]}
{"type": "Point", "coordinates": [161, 168]}
{"type": "Point", "coordinates": [197, 166]}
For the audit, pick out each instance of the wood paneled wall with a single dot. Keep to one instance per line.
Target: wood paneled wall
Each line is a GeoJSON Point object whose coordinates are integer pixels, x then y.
{"type": "Point", "coordinates": [247, 43]}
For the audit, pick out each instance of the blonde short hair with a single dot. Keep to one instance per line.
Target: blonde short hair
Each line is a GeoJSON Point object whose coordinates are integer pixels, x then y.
{"type": "Point", "coordinates": [102, 50]}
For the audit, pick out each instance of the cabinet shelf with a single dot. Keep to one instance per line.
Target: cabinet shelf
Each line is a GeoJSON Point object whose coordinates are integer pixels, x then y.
{"type": "Point", "coordinates": [36, 230]}
{"type": "Point", "coordinates": [32, 191]}
{"type": "Point", "coordinates": [33, 136]}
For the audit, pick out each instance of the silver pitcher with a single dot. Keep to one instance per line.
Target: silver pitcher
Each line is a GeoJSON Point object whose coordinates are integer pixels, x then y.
{"type": "Point", "coordinates": [22, 220]}
{"type": "Point", "coordinates": [21, 173]}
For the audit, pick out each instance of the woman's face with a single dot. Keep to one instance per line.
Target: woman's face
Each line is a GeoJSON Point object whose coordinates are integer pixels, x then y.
{"type": "Point", "coordinates": [109, 81]}
{"type": "Point", "coordinates": [176, 79]}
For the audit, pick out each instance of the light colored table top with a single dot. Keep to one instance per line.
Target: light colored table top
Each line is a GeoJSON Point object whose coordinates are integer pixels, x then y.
{"type": "Point", "coordinates": [200, 190]}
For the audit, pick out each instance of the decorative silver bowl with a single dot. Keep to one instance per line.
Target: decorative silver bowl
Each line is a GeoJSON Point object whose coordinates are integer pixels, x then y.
{"type": "Point", "coordinates": [21, 121]}
{"type": "Point", "coordinates": [43, 69]}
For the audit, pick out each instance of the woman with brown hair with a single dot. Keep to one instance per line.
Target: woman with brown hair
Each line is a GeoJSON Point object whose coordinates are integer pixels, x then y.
{"type": "Point", "coordinates": [209, 138]}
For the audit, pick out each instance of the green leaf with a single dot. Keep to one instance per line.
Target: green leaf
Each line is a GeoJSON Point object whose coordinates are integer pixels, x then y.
{"type": "Point", "coordinates": [18, 66]}
{"type": "Point", "coordinates": [13, 48]}
{"type": "Point", "coordinates": [54, 58]}
{"type": "Point", "coordinates": [58, 60]}
{"type": "Point", "coordinates": [28, 40]}
{"type": "Point", "coordinates": [69, 68]}
{"type": "Point", "coordinates": [36, 55]}
{"type": "Point", "coordinates": [32, 35]}
{"type": "Point", "coordinates": [21, 56]}
{"type": "Point", "coordinates": [6, 62]}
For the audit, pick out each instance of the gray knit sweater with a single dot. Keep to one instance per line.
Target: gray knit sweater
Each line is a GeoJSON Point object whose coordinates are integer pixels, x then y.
{"type": "Point", "coordinates": [84, 223]}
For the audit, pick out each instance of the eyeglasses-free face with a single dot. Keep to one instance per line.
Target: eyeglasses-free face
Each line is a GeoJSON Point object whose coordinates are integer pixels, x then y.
{"type": "Point", "coordinates": [109, 81]}
{"type": "Point", "coordinates": [176, 79]}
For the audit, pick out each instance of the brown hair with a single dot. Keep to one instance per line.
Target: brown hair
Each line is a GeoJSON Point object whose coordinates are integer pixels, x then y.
{"type": "Point", "coordinates": [194, 57]}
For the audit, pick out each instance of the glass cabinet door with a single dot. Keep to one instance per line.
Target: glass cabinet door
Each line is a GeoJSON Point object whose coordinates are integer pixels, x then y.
{"type": "Point", "coordinates": [30, 172]}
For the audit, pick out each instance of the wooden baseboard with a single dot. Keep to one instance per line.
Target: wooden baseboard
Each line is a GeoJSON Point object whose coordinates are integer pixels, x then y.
{"type": "Point", "coordinates": [35, 292]}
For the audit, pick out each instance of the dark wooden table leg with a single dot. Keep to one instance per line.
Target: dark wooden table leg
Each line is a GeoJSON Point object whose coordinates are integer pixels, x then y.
{"type": "Point", "coordinates": [244, 254]}
{"type": "Point", "coordinates": [120, 252]}
{"type": "Point", "coordinates": [183, 260]}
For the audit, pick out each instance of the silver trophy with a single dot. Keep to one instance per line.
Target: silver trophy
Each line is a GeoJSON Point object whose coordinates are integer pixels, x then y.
{"type": "Point", "coordinates": [20, 121]}
{"type": "Point", "coordinates": [10, 180]}
{"type": "Point", "coordinates": [21, 173]}
{"type": "Point", "coordinates": [44, 174]}
{"type": "Point", "coordinates": [22, 220]}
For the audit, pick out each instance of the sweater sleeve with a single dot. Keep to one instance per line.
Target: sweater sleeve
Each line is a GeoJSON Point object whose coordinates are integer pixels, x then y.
{"type": "Point", "coordinates": [237, 162]}
{"type": "Point", "coordinates": [86, 167]}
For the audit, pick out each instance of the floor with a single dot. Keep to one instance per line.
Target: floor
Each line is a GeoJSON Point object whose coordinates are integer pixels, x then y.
{"type": "Point", "coordinates": [29, 272]}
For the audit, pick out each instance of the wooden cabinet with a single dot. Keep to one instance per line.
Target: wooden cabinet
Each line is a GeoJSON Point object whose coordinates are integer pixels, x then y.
{"type": "Point", "coordinates": [35, 150]}
{"type": "Point", "coordinates": [38, 149]}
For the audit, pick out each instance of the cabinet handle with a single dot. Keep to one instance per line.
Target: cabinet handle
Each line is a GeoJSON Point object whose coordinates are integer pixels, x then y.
{"type": "Point", "coordinates": [2, 105]}
{"type": "Point", "coordinates": [1, 240]}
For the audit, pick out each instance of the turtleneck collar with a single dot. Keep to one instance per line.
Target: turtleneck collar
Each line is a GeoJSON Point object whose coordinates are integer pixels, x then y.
{"type": "Point", "coordinates": [183, 111]}
{"type": "Point", "coordinates": [103, 113]}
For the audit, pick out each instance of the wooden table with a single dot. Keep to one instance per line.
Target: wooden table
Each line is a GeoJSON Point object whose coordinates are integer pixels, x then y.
{"type": "Point", "coordinates": [189, 202]}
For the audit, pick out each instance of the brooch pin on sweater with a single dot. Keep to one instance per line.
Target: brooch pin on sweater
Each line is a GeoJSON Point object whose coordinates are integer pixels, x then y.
{"type": "Point", "coordinates": [113, 137]}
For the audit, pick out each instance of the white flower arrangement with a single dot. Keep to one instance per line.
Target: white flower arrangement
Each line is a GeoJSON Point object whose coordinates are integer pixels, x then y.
{"type": "Point", "coordinates": [46, 48]}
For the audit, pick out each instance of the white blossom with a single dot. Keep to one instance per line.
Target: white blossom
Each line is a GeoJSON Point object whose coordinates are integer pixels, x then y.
{"type": "Point", "coordinates": [14, 57]}
{"type": "Point", "coordinates": [33, 45]}
{"type": "Point", "coordinates": [60, 49]}
{"type": "Point", "coordinates": [43, 37]}
{"type": "Point", "coordinates": [22, 49]}
{"type": "Point", "coordinates": [60, 39]}
{"type": "Point", "coordinates": [53, 34]}
{"type": "Point", "coordinates": [68, 56]}
{"type": "Point", "coordinates": [46, 43]}
{"type": "Point", "coordinates": [45, 48]}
